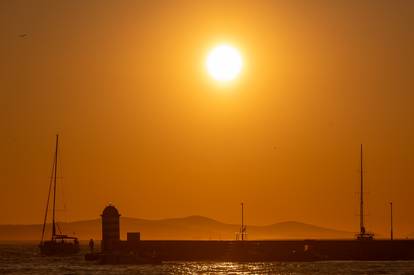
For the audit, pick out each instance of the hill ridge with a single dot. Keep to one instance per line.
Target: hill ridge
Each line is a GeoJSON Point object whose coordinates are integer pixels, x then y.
{"type": "Point", "coordinates": [188, 227]}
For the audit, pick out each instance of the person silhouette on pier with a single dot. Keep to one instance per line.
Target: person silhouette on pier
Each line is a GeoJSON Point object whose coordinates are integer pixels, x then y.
{"type": "Point", "coordinates": [91, 245]}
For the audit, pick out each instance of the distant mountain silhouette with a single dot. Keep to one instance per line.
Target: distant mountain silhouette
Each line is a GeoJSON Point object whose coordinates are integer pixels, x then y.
{"type": "Point", "coordinates": [187, 228]}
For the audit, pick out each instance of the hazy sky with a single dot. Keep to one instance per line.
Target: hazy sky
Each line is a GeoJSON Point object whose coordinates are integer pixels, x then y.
{"type": "Point", "coordinates": [143, 126]}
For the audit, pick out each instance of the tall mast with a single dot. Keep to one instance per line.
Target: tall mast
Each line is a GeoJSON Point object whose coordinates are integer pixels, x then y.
{"type": "Point", "coordinates": [242, 222]}
{"type": "Point", "coordinates": [362, 227]}
{"type": "Point", "coordinates": [54, 187]}
{"type": "Point", "coordinates": [391, 224]}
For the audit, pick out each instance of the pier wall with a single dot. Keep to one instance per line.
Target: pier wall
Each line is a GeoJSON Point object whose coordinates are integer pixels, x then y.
{"type": "Point", "coordinates": [289, 250]}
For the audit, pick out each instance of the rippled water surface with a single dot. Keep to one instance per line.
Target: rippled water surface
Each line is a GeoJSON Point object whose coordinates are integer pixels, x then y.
{"type": "Point", "coordinates": [24, 259]}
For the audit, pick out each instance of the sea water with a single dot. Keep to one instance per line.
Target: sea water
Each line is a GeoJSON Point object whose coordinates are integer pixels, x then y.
{"type": "Point", "coordinates": [24, 258]}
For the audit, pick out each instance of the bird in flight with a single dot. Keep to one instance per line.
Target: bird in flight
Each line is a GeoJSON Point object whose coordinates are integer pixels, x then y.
{"type": "Point", "coordinates": [23, 35]}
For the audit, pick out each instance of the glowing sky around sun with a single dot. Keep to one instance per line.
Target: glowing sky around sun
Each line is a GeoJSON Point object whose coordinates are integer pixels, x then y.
{"type": "Point", "coordinates": [176, 108]}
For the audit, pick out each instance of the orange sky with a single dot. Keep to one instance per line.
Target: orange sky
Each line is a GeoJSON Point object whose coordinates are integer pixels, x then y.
{"type": "Point", "coordinates": [142, 124]}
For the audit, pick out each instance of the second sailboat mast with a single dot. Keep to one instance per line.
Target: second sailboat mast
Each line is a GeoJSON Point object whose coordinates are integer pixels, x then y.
{"type": "Point", "coordinates": [54, 187]}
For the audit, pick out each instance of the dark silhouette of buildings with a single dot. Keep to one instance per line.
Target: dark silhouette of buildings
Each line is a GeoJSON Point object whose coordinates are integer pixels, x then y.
{"type": "Point", "coordinates": [137, 251]}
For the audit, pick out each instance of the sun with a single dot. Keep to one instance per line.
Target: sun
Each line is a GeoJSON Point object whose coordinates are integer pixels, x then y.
{"type": "Point", "coordinates": [224, 63]}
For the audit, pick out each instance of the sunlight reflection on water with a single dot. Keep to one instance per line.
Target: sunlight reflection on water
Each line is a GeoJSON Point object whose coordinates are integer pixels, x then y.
{"type": "Point", "coordinates": [24, 259]}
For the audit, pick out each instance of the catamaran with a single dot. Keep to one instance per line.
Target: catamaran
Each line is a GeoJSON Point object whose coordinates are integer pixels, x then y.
{"type": "Point", "coordinates": [59, 244]}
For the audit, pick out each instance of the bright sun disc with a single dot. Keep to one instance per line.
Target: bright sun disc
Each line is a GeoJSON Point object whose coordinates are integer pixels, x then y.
{"type": "Point", "coordinates": [224, 63]}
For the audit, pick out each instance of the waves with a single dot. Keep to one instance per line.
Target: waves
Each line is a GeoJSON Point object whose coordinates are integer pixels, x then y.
{"type": "Point", "coordinates": [24, 258]}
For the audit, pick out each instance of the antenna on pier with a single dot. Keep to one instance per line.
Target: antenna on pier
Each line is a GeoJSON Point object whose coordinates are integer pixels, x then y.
{"type": "Point", "coordinates": [361, 206]}
{"type": "Point", "coordinates": [363, 235]}
{"type": "Point", "coordinates": [243, 228]}
{"type": "Point", "coordinates": [391, 223]}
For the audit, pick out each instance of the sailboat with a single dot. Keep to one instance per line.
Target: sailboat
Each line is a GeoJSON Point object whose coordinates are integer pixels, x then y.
{"type": "Point", "coordinates": [363, 235]}
{"type": "Point", "coordinates": [59, 244]}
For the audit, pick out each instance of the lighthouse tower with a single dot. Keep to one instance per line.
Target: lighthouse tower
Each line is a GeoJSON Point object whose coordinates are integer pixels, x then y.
{"type": "Point", "coordinates": [110, 227]}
